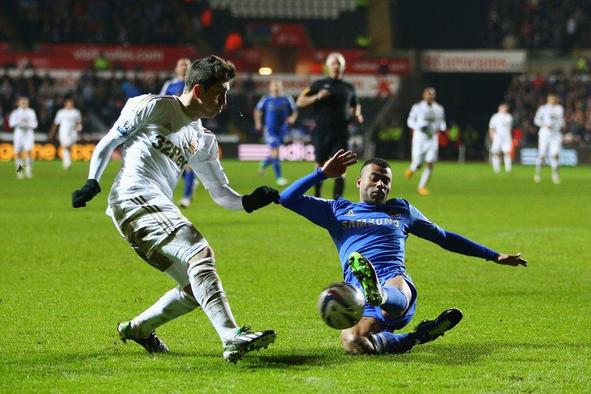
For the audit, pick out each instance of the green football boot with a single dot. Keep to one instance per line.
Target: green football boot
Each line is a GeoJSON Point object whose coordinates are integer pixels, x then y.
{"type": "Point", "coordinates": [365, 273]}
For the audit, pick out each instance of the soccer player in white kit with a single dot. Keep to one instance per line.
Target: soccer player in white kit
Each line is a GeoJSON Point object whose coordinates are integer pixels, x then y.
{"type": "Point", "coordinates": [24, 121]}
{"type": "Point", "coordinates": [160, 135]}
{"type": "Point", "coordinates": [550, 119]}
{"type": "Point", "coordinates": [69, 121]}
{"type": "Point", "coordinates": [426, 119]}
{"type": "Point", "coordinates": [499, 128]}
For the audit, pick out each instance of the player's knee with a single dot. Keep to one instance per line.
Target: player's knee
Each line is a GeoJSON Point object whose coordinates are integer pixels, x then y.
{"type": "Point", "coordinates": [353, 343]}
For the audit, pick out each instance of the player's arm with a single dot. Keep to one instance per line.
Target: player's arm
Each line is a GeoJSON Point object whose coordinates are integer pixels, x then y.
{"type": "Point", "coordinates": [293, 116]}
{"type": "Point", "coordinates": [78, 123]}
{"type": "Point", "coordinates": [258, 114]}
{"type": "Point", "coordinates": [52, 130]}
{"type": "Point", "coordinates": [442, 124]}
{"type": "Point", "coordinates": [211, 173]}
{"type": "Point", "coordinates": [491, 127]}
{"type": "Point", "coordinates": [356, 108]}
{"type": "Point", "coordinates": [316, 210]}
{"type": "Point", "coordinates": [424, 228]}
{"type": "Point", "coordinates": [34, 123]}
{"type": "Point", "coordinates": [539, 117]}
{"type": "Point", "coordinates": [411, 122]}
{"type": "Point", "coordinates": [310, 95]}
{"type": "Point", "coordinates": [12, 120]}
{"type": "Point", "coordinates": [133, 116]}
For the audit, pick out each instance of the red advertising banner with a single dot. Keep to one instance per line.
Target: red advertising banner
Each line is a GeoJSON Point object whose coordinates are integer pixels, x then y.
{"type": "Point", "coordinates": [56, 56]}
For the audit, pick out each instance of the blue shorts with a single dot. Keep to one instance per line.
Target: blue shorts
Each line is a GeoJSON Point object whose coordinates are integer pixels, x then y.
{"type": "Point", "coordinates": [375, 312]}
{"type": "Point", "coordinates": [274, 140]}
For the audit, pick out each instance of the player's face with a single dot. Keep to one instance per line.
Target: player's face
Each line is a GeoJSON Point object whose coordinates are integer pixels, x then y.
{"type": "Point", "coordinates": [374, 184]}
{"type": "Point", "coordinates": [429, 95]}
{"type": "Point", "coordinates": [69, 104]}
{"type": "Point", "coordinates": [552, 99]}
{"type": "Point", "coordinates": [181, 68]}
{"type": "Point", "coordinates": [23, 102]}
{"type": "Point", "coordinates": [213, 100]}
{"type": "Point", "coordinates": [275, 87]}
{"type": "Point", "coordinates": [503, 109]}
{"type": "Point", "coordinates": [335, 67]}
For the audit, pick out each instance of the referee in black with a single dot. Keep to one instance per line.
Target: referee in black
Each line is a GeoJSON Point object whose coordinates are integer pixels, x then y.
{"type": "Point", "coordinates": [335, 105]}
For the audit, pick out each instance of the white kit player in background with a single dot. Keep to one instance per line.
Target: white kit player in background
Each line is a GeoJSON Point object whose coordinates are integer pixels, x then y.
{"type": "Point", "coordinates": [426, 120]}
{"type": "Point", "coordinates": [550, 119]}
{"type": "Point", "coordinates": [69, 121]}
{"type": "Point", "coordinates": [160, 136]}
{"type": "Point", "coordinates": [24, 121]}
{"type": "Point", "coordinates": [499, 128]}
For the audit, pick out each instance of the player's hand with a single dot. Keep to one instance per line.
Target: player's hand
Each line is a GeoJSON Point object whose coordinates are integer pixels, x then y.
{"type": "Point", "coordinates": [86, 193]}
{"type": "Point", "coordinates": [337, 165]}
{"type": "Point", "coordinates": [260, 197]}
{"type": "Point", "coordinates": [511, 259]}
{"type": "Point", "coordinates": [323, 93]}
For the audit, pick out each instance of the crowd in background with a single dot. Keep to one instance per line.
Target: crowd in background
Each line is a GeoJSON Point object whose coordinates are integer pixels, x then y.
{"type": "Point", "coordinates": [539, 24]}
{"type": "Point", "coordinates": [528, 91]}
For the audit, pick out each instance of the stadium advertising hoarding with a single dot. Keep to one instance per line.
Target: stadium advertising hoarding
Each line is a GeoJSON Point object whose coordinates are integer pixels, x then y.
{"type": "Point", "coordinates": [568, 157]}
{"type": "Point", "coordinates": [474, 61]}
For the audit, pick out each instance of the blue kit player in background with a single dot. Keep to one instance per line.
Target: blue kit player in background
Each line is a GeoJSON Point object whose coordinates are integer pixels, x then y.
{"type": "Point", "coordinates": [175, 87]}
{"type": "Point", "coordinates": [272, 115]}
{"type": "Point", "coordinates": [370, 237]}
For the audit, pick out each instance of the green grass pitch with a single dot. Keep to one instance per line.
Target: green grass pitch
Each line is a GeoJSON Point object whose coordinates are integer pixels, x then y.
{"type": "Point", "coordinates": [67, 278]}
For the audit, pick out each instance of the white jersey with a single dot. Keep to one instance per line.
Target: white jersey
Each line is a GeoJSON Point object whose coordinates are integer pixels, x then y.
{"type": "Point", "coordinates": [427, 119]}
{"type": "Point", "coordinates": [160, 139]}
{"type": "Point", "coordinates": [501, 123]}
{"type": "Point", "coordinates": [23, 120]}
{"type": "Point", "coordinates": [550, 118]}
{"type": "Point", "coordinates": [67, 119]}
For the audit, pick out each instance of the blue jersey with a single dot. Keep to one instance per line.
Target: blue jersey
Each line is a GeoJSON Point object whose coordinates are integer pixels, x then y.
{"type": "Point", "coordinates": [173, 87]}
{"type": "Point", "coordinates": [378, 232]}
{"type": "Point", "coordinates": [276, 110]}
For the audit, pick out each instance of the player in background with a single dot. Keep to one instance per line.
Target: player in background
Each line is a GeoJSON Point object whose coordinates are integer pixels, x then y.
{"type": "Point", "coordinates": [335, 105]}
{"type": "Point", "coordinates": [426, 120]}
{"type": "Point", "coordinates": [272, 115]}
{"type": "Point", "coordinates": [161, 134]}
{"type": "Point", "coordinates": [370, 236]}
{"type": "Point", "coordinates": [499, 128]}
{"type": "Point", "coordinates": [550, 119]}
{"type": "Point", "coordinates": [174, 87]}
{"type": "Point", "coordinates": [24, 121]}
{"type": "Point", "coordinates": [69, 121]}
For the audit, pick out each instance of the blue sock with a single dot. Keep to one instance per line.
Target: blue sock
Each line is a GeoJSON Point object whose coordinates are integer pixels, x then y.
{"type": "Point", "coordinates": [267, 162]}
{"type": "Point", "coordinates": [277, 168]}
{"type": "Point", "coordinates": [396, 301]}
{"type": "Point", "coordinates": [189, 177]}
{"type": "Point", "coordinates": [388, 342]}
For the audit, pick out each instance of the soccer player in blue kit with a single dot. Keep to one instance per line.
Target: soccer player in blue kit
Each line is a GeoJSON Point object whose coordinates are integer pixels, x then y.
{"type": "Point", "coordinates": [370, 237]}
{"type": "Point", "coordinates": [272, 115]}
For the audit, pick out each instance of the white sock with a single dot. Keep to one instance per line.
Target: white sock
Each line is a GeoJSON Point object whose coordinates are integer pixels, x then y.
{"type": "Point", "coordinates": [539, 162]}
{"type": "Point", "coordinates": [208, 291]}
{"type": "Point", "coordinates": [66, 158]}
{"type": "Point", "coordinates": [425, 176]}
{"type": "Point", "coordinates": [414, 165]}
{"type": "Point", "coordinates": [554, 166]}
{"type": "Point", "coordinates": [507, 159]}
{"type": "Point", "coordinates": [28, 166]}
{"type": "Point", "coordinates": [18, 162]}
{"type": "Point", "coordinates": [496, 163]}
{"type": "Point", "coordinates": [172, 304]}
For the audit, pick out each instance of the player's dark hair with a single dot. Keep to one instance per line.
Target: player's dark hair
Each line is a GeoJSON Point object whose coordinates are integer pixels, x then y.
{"type": "Point", "coordinates": [377, 161]}
{"type": "Point", "coordinates": [208, 71]}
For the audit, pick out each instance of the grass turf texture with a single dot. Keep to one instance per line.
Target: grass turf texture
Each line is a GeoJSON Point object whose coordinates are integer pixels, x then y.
{"type": "Point", "coordinates": [67, 278]}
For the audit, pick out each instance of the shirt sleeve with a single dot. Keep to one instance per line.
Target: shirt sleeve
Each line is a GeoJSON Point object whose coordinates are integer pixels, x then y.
{"type": "Point", "coordinates": [411, 122]}
{"type": "Point", "coordinates": [491, 123]}
{"type": "Point", "coordinates": [12, 119]}
{"type": "Point", "coordinates": [261, 103]}
{"type": "Point", "coordinates": [539, 118]}
{"type": "Point", "coordinates": [208, 168]}
{"type": "Point", "coordinates": [354, 101]}
{"type": "Point", "coordinates": [443, 124]}
{"type": "Point", "coordinates": [424, 228]}
{"type": "Point", "coordinates": [562, 123]}
{"type": "Point", "coordinates": [34, 124]}
{"type": "Point", "coordinates": [316, 210]}
{"type": "Point", "coordinates": [313, 89]}
{"type": "Point", "coordinates": [164, 88]}
{"type": "Point", "coordinates": [138, 111]}
{"type": "Point", "coordinates": [58, 117]}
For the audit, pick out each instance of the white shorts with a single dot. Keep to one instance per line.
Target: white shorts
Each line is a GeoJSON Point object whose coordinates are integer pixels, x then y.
{"type": "Point", "coordinates": [549, 143]}
{"type": "Point", "coordinates": [68, 139]}
{"type": "Point", "coordinates": [424, 148]}
{"type": "Point", "coordinates": [23, 140]}
{"type": "Point", "coordinates": [158, 232]}
{"type": "Point", "coordinates": [501, 143]}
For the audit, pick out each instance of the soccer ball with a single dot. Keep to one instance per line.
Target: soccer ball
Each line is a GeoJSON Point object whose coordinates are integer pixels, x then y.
{"type": "Point", "coordinates": [341, 305]}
